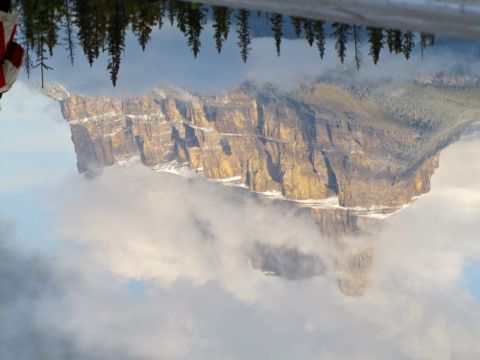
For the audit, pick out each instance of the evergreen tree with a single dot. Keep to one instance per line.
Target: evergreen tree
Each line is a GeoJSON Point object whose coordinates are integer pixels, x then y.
{"type": "Point", "coordinates": [40, 36]}
{"type": "Point", "coordinates": [394, 41]}
{"type": "Point", "coordinates": [195, 20]}
{"type": "Point", "coordinates": [144, 16]}
{"type": "Point", "coordinates": [27, 30]}
{"type": "Point", "coordinates": [161, 13]}
{"type": "Point", "coordinates": [171, 12]}
{"type": "Point", "coordinates": [180, 15]}
{"type": "Point", "coordinates": [221, 24]}
{"type": "Point", "coordinates": [426, 40]}
{"type": "Point", "coordinates": [408, 43]}
{"type": "Point", "coordinates": [397, 42]}
{"type": "Point", "coordinates": [277, 25]}
{"type": "Point", "coordinates": [243, 33]}
{"type": "Point", "coordinates": [341, 33]}
{"type": "Point", "coordinates": [69, 32]}
{"type": "Point", "coordinates": [309, 32]}
{"type": "Point", "coordinates": [52, 10]}
{"type": "Point", "coordinates": [390, 39]}
{"type": "Point", "coordinates": [41, 57]}
{"type": "Point", "coordinates": [319, 34]}
{"type": "Point", "coordinates": [297, 25]}
{"type": "Point", "coordinates": [356, 43]}
{"type": "Point", "coordinates": [375, 37]}
{"type": "Point", "coordinates": [91, 22]}
{"type": "Point", "coordinates": [100, 26]}
{"type": "Point", "coordinates": [27, 61]}
{"type": "Point", "coordinates": [116, 26]}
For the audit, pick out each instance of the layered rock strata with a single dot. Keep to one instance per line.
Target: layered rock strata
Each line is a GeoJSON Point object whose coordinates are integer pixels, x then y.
{"type": "Point", "coordinates": [310, 145]}
{"type": "Point", "coordinates": [350, 159]}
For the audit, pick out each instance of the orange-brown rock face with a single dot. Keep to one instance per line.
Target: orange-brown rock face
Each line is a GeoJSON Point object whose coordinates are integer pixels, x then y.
{"type": "Point", "coordinates": [315, 143]}
{"type": "Point", "coordinates": [351, 161]}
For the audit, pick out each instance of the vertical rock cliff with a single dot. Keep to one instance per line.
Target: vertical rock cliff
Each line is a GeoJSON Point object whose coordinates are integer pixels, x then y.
{"type": "Point", "coordinates": [351, 156]}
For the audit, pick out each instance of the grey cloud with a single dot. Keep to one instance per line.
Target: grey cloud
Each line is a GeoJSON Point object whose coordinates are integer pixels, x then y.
{"type": "Point", "coordinates": [188, 242]}
{"type": "Point", "coordinates": [144, 225]}
{"type": "Point", "coordinates": [28, 287]}
{"type": "Point", "coordinates": [173, 228]}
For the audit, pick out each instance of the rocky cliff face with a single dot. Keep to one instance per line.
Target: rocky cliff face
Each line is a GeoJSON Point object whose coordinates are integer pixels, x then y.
{"type": "Point", "coordinates": [310, 145]}
{"type": "Point", "coordinates": [351, 159]}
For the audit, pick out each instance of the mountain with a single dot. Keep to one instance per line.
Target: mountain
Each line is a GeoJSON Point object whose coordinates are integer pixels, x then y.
{"type": "Point", "coordinates": [349, 153]}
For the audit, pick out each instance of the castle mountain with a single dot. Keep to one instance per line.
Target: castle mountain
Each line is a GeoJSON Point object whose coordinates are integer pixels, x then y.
{"type": "Point", "coordinates": [349, 153]}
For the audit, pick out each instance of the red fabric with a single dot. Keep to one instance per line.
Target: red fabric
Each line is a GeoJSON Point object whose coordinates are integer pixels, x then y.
{"type": "Point", "coordinates": [2, 76]}
{"type": "Point", "coordinates": [10, 51]}
{"type": "Point", "coordinates": [14, 30]}
{"type": "Point", "coordinates": [14, 54]}
{"type": "Point", "coordinates": [2, 42]}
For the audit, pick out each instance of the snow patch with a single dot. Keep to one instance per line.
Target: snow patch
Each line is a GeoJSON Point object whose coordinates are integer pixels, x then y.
{"type": "Point", "coordinates": [109, 114]}
{"type": "Point", "coordinates": [129, 161]}
{"type": "Point", "coordinates": [228, 180]}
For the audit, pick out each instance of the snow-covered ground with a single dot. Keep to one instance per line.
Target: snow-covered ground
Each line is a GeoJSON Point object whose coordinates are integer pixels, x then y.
{"type": "Point", "coordinates": [450, 17]}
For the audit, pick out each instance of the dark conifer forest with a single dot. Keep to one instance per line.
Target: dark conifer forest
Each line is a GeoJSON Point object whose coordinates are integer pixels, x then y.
{"type": "Point", "coordinates": [100, 26]}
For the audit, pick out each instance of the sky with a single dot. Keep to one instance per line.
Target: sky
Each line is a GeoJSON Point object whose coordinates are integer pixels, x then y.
{"type": "Point", "coordinates": [34, 144]}
{"type": "Point", "coordinates": [137, 264]}
{"type": "Point", "coordinates": [168, 61]}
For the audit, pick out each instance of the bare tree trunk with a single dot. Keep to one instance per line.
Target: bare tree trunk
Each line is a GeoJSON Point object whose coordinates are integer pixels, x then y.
{"type": "Point", "coordinates": [69, 33]}
{"type": "Point", "coordinates": [358, 55]}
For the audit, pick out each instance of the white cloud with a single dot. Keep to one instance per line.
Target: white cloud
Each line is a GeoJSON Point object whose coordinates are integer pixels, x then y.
{"type": "Point", "coordinates": [157, 226]}
{"type": "Point", "coordinates": [189, 240]}
{"type": "Point", "coordinates": [205, 302]}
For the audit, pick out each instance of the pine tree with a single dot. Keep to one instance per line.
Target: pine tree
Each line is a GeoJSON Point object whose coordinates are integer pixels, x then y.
{"type": "Point", "coordinates": [309, 32]}
{"type": "Point", "coordinates": [171, 12]}
{"type": "Point", "coordinates": [143, 18]}
{"type": "Point", "coordinates": [40, 52]}
{"type": "Point", "coordinates": [69, 32]}
{"type": "Point", "coordinates": [297, 25]}
{"type": "Point", "coordinates": [27, 32]}
{"type": "Point", "coordinates": [52, 10]}
{"type": "Point", "coordinates": [408, 43]}
{"type": "Point", "coordinates": [161, 13]}
{"type": "Point", "coordinates": [375, 37]}
{"type": "Point", "coordinates": [397, 42]}
{"type": "Point", "coordinates": [180, 15]}
{"type": "Point", "coordinates": [243, 33]}
{"type": "Point", "coordinates": [426, 40]}
{"type": "Point", "coordinates": [341, 32]}
{"type": "Point", "coordinates": [356, 43]}
{"type": "Point", "coordinates": [221, 24]}
{"type": "Point", "coordinates": [100, 26]}
{"type": "Point", "coordinates": [319, 37]}
{"type": "Point", "coordinates": [40, 36]}
{"type": "Point", "coordinates": [277, 25]}
{"type": "Point", "coordinates": [195, 20]}
{"type": "Point", "coordinates": [91, 22]}
{"type": "Point", "coordinates": [390, 39]}
{"type": "Point", "coordinates": [116, 26]}
{"type": "Point", "coordinates": [27, 61]}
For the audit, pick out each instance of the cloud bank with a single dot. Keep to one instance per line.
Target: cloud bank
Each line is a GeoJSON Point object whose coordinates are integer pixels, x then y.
{"type": "Point", "coordinates": [185, 242]}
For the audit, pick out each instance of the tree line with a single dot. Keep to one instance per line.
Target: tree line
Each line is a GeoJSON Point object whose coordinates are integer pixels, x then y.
{"type": "Point", "coordinates": [100, 26]}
